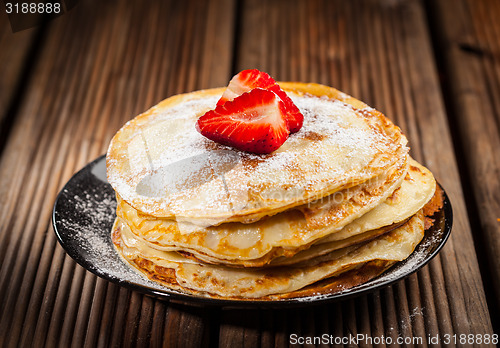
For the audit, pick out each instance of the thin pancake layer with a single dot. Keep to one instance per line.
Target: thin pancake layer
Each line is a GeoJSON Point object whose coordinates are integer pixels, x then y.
{"type": "Point", "coordinates": [188, 276]}
{"type": "Point", "coordinates": [258, 243]}
{"type": "Point", "coordinates": [416, 190]}
{"type": "Point", "coordinates": [310, 252]}
{"type": "Point", "coordinates": [161, 166]}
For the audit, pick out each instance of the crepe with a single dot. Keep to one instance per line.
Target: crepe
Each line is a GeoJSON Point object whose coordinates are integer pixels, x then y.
{"type": "Point", "coordinates": [161, 166]}
{"type": "Point", "coordinates": [416, 190]}
{"type": "Point", "coordinates": [336, 205]}
{"type": "Point", "coordinates": [287, 233]}
{"type": "Point", "coordinates": [283, 234]}
{"type": "Point", "coordinates": [180, 273]}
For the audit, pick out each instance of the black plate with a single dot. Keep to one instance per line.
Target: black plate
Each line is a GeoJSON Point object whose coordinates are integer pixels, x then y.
{"type": "Point", "coordinates": [84, 213]}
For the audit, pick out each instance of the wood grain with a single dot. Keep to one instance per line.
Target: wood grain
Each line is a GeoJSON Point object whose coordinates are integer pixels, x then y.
{"type": "Point", "coordinates": [101, 64]}
{"type": "Point", "coordinates": [397, 74]}
{"type": "Point", "coordinates": [15, 62]}
{"type": "Point", "coordinates": [98, 79]}
{"type": "Point", "coordinates": [470, 56]}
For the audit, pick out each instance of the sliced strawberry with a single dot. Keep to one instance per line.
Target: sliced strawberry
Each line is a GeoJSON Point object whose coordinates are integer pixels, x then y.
{"type": "Point", "coordinates": [245, 81]}
{"type": "Point", "coordinates": [253, 122]}
{"type": "Point", "coordinates": [294, 117]}
{"type": "Point", "coordinates": [249, 79]}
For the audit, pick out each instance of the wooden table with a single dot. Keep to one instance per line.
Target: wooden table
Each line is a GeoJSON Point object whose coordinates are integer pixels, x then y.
{"type": "Point", "coordinates": [68, 85]}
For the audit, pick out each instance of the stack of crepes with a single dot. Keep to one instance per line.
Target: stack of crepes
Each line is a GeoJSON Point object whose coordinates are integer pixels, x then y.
{"type": "Point", "coordinates": [339, 203]}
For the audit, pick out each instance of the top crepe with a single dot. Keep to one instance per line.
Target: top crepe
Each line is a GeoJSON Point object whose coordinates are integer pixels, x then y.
{"type": "Point", "coordinates": [160, 165]}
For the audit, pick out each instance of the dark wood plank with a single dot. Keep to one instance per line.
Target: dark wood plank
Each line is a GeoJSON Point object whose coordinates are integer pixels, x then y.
{"type": "Point", "coordinates": [101, 65]}
{"type": "Point", "coordinates": [187, 326]}
{"type": "Point", "coordinates": [464, 285]}
{"type": "Point", "coordinates": [98, 68]}
{"type": "Point", "coordinates": [436, 151]}
{"type": "Point", "coordinates": [14, 65]}
{"type": "Point", "coordinates": [381, 52]}
{"type": "Point", "coordinates": [469, 33]}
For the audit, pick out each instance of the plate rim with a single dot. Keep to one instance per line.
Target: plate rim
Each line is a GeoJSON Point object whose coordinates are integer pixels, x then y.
{"type": "Point", "coordinates": [195, 300]}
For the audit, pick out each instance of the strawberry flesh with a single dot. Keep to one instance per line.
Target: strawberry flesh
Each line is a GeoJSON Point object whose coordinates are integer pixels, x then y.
{"type": "Point", "coordinates": [247, 80]}
{"type": "Point", "coordinates": [294, 117]}
{"type": "Point", "coordinates": [244, 82]}
{"type": "Point", "coordinates": [253, 122]}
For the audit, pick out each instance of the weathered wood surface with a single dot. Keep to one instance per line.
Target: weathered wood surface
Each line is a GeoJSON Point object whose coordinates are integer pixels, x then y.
{"type": "Point", "coordinates": [15, 52]}
{"type": "Point", "coordinates": [102, 63]}
{"type": "Point", "coordinates": [471, 60]}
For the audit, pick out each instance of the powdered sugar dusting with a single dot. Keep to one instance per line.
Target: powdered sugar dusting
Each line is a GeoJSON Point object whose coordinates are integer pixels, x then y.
{"type": "Point", "coordinates": [84, 215]}
{"type": "Point", "coordinates": [85, 211]}
{"type": "Point", "coordinates": [99, 213]}
{"type": "Point", "coordinates": [334, 142]}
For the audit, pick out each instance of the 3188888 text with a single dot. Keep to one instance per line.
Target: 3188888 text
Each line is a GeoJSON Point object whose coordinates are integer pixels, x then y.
{"type": "Point", "coordinates": [32, 7]}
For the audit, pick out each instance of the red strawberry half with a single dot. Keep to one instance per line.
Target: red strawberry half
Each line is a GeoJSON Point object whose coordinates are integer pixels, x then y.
{"type": "Point", "coordinates": [247, 80]}
{"type": "Point", "coordinates": [294, 117]}
{"type": "Point", "coordinates": [253, 122]}
{"type": "Point", "coordinates": [244, 82]}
